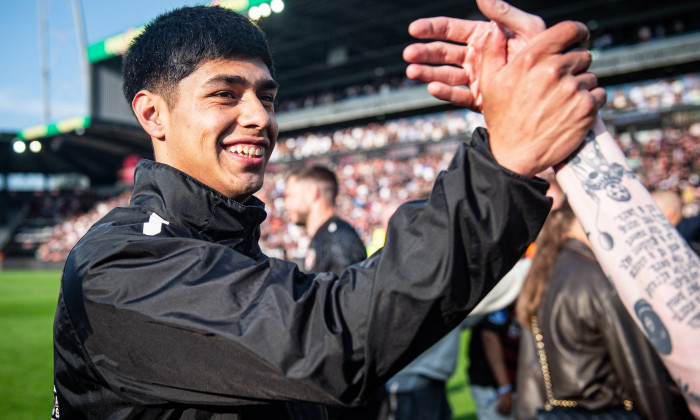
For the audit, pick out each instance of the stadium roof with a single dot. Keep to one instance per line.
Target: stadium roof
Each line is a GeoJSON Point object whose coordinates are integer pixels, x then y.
{"type": "Point", "coordinates": [319, 45]}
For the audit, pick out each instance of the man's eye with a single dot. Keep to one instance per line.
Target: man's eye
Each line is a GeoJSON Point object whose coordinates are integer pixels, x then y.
{"type": "Point", "coordinates": [225, 94]}
{"type": "Point", "coordinates": [267, 98]}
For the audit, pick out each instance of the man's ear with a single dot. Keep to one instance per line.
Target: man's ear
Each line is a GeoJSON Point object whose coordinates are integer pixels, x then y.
{"type": "Point", "coordinates": [148, 107]}
{"type": "Point", "coordinates": [314, 191]}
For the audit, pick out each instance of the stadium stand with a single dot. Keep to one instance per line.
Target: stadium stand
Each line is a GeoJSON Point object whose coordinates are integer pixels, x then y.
{"type": "Point", "coordinates": [380, 164]}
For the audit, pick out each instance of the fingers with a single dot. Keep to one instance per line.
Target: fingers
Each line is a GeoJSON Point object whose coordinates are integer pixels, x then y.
{"type": "Point", "coordinates": [599, 96]}
{"type": "Point", "coordinates": [588, 82]}
{"type": "Point", "coordinates": [519, 22]}
{"type": "Point", "coordinates": [446, 83]}
{"type": "Point", "coordinates": [457, 95]}
{"type": "Point", "coordinates": [449, 29]}
{"type": "Point", "coordinates": [445, 74]}
{"type": "Point", "coordinates": [435, 53]}
{"type": "Point", "coordinates": [556, 39]}
{"type": "Point", "coordinates": [577, 61]}
{"type": "Point", "coordinates": [494, 53]}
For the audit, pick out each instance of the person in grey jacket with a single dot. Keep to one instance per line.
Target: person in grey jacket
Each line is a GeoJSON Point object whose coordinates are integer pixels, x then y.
{"type": "Point", "coordinates": [169, 309]}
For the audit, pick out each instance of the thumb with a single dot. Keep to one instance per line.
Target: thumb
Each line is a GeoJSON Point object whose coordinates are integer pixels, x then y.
{"type": "Point", "coordinates": [493, 52]}
{"type": "Point", "coordinates": [521, 23]}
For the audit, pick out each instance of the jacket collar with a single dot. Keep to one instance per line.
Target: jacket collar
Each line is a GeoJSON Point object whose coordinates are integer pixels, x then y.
{"type": "Point", "coordinates": [183, 201]}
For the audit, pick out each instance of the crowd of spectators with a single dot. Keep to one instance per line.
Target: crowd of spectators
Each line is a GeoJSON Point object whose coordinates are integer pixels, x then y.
{"type": "Point", "coordinates": [40, 210]}
{"type": "Point", "coordinates": [644, 96]}
{"type": "Point", "coordinates": [654, 95]}
{"type": "Point", "coordinates": [642, 32]}
{"type": "Point", "coordinates": [65, 235]}
{"type": "Point", "coordinates": [52, 205]}
{"type": "Point", "coordinates": [665, 157]}
{"type": "Point", "coordinates": [431, 127]}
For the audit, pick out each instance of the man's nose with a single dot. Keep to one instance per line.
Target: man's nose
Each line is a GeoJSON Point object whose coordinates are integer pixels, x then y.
{"type": "Point", "coordinates": [253, 113]}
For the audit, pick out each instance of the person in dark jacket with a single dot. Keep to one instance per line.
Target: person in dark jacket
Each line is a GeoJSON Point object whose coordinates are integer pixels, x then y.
{"type": "Point", "coordinates": [309, 200]}
{"type": "Point", "coordinates": [596, 356]}
{"type": "Point", "coordinates": [671, 206]}
{"type": "Point", "coordinates": [169, 308]}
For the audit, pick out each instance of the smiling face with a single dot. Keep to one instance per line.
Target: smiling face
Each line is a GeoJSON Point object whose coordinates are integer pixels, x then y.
{"type": "Point", "coordinates": [220, 127]}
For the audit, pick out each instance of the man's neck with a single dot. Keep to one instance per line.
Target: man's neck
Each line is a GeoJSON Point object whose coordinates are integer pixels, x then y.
{"type": "Point", "coordinates": [317, 218]}
{"type": "Point", "coordinates": [576, 232]}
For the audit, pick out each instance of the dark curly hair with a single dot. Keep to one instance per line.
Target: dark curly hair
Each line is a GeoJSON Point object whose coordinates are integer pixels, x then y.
{"type": "Point", "coordinates": [176, 43]}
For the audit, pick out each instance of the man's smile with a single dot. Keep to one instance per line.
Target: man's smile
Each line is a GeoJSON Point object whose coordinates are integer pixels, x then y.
{"type": "Point", "coordinates": [246, 150]}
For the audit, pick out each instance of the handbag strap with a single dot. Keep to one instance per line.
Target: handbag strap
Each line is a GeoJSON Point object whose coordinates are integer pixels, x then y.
{"type": "Point", "coordinates": [551, 401]}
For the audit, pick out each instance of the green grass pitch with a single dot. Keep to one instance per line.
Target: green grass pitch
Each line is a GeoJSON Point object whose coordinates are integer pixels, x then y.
{"type": "Point", "coordinates": [27, 306]}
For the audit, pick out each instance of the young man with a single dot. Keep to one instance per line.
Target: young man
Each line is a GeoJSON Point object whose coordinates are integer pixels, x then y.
{"type": "Point", "coordinates": [169, 309]}
{"type": "Point", "coordinates": [309, 200]}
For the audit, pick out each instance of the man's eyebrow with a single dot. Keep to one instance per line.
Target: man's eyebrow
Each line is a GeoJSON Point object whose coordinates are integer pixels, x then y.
{"type": "Point", "coordinates": [266, 84]}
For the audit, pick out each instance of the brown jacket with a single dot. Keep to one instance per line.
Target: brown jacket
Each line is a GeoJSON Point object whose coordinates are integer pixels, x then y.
{"type": "Point", "coordinates": [597, 355]}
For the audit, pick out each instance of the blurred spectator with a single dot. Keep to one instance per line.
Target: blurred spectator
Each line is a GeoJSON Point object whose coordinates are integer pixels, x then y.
{"type": "Point", "coordinates": [670, 204]}
{"type": "Point", "coordinates": [309, 202]}
{"type": "Point", "coordinates": [418, 391]}
{"type": "Point", "coordinates": [493, 358]}
{"type": "Point", "coordinates": [690, 230]}
{"type": "Point", "coordinates": [595, 356]}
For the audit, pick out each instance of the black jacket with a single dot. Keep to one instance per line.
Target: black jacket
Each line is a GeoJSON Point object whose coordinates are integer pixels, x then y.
{"type": "Point", "coordinates": [597, 355]}
{"type": "Point", "coordinates": [168, 308]}
{"type": "Point", "coordinates": [334, 247]}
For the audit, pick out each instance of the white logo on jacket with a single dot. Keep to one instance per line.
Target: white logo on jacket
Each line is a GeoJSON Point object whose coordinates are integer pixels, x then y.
{"type": "Point", "coordinates": [154, 225]}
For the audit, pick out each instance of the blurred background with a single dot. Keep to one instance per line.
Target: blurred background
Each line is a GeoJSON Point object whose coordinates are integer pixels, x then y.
{"type": "Point", "coordinates": [69, 143]}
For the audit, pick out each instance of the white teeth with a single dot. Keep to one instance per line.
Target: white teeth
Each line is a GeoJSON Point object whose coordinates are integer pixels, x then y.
{"type": "Point", "coordinates": [248, 151]}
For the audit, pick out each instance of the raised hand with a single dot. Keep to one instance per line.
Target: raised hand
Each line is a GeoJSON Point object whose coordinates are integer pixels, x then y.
{"type": "Point", "coordinates": [539, 103]}
{"type": "Point", "coordinates": [460, 65]}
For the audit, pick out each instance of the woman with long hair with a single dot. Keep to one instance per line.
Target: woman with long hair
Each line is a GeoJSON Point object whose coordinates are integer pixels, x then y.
{"type": "Point", "coordinates": [592, 354]}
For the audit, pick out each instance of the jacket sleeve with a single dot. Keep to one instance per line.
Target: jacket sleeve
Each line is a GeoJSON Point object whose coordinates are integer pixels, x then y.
{"type": "Point", "coordinates": [170, 318]}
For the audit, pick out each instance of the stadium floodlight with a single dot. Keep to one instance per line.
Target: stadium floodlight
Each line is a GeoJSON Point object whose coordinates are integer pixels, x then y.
{"type": "Point", "coordinates": [277, 6]}
{"type": "Point", "coordinates": [35, 146]}
{"type": "Point", "coordinates": [265, 10]}
{"type": "Point", "coordinates": [19, 146]}
{"type": "Point", "coordinates": [254, 13]}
